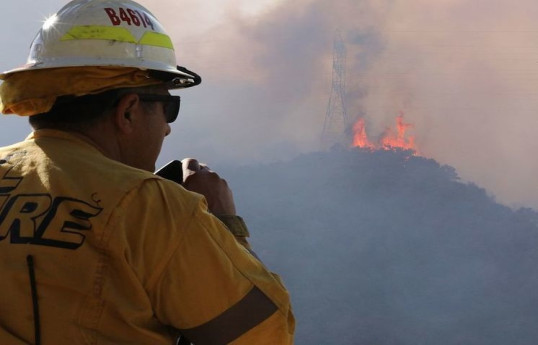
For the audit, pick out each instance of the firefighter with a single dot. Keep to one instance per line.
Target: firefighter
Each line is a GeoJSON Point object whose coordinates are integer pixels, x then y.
{"type": "Point", "coordinates": [94, 247]}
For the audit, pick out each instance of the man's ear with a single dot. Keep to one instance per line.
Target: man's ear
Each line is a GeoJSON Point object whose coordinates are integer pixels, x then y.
{"type": "Point", "coordinates": [125, 112]}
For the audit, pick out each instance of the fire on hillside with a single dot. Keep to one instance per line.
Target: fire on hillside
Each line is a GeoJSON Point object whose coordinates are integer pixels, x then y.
{"type": "Point", "coordinates": [390, 139]}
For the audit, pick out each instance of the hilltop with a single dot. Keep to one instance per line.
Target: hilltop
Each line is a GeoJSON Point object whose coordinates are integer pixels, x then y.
{"type": "Point", "coordinates": [383, 247]}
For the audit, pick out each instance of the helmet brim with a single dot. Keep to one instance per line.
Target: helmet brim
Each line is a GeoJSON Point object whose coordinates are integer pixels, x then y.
{"type": "Point", "coordinates": [178, 78]}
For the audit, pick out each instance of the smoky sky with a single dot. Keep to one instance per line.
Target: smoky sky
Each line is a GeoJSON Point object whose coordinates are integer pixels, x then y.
{"type": "Point", "coordinates": [464, 73]}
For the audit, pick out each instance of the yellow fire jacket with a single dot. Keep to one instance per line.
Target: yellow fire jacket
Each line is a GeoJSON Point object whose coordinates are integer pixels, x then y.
{"type": "Point", "coordinates": [95, 252]}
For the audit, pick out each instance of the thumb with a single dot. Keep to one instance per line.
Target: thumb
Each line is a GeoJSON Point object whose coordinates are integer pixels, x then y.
{"type": "Point", "coordinates": [190, 166]}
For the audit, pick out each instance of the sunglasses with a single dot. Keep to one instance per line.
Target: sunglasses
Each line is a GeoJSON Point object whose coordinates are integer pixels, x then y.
{"type": "Point", "coordinates": [171, 104]}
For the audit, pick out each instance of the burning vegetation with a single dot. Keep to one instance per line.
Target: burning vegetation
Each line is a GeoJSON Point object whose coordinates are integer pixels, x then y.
{"type": "Point", "coordinates": [390, 140]}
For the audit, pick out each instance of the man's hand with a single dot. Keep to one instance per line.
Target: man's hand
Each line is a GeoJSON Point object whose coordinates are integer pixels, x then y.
{"type": "Point", "coordinates": [200, 179]}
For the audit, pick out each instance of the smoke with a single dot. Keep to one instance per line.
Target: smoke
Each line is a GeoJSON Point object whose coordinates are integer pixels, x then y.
{"type": "Point", "coordinates": [463, 73]}
{"type": "Point", "coordinates": [267, 79]}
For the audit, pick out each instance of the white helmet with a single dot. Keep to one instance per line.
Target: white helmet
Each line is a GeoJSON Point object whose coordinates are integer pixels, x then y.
{"type": "Point", "coordinates": [117, 33]}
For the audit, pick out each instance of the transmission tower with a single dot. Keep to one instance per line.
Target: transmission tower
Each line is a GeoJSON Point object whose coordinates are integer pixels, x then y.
{"type": "Point", "coordinates": [334, 128]}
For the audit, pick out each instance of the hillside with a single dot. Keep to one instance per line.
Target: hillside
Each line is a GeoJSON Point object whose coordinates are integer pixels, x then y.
{"type": "Point", "coordinates": [387, 248]}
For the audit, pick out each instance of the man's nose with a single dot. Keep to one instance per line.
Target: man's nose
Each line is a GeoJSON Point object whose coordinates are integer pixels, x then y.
{"type": "Point", "coordinates": [168, 130]}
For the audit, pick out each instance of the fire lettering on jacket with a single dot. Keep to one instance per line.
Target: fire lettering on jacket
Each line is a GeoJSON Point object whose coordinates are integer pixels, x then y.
{"type": "Point", "coordinates": [8, 183]}
{"type": "Point", "coordinates": [42, 220]}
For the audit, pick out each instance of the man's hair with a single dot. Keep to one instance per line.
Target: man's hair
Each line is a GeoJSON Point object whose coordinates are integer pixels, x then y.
{"type": "Point", "coordinates": [73, 113]}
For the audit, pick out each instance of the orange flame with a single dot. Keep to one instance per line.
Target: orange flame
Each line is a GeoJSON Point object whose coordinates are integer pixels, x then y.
{"type": "Point", "coordinates": [360, 138]}
{"type": "Point", "coordinates": [389, 141]}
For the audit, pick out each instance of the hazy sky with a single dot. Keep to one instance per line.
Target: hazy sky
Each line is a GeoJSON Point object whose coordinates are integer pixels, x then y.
{"type": "Point", "coordinates": [465, 73]}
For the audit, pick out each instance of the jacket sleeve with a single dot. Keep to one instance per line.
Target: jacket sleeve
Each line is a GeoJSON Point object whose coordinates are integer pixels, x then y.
{"type": "Point", "coordinates": [236, 225]}
{"type": "Point", "coordinates": [210, 287]}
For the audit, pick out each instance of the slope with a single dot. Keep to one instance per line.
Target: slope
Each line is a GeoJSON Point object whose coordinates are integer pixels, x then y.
{"type": "Point", "coordinates": [387, 248]}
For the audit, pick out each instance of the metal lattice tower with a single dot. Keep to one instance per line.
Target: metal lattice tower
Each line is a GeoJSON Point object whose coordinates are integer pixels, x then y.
{"type": "Point", "coordinates": [334, 128]}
